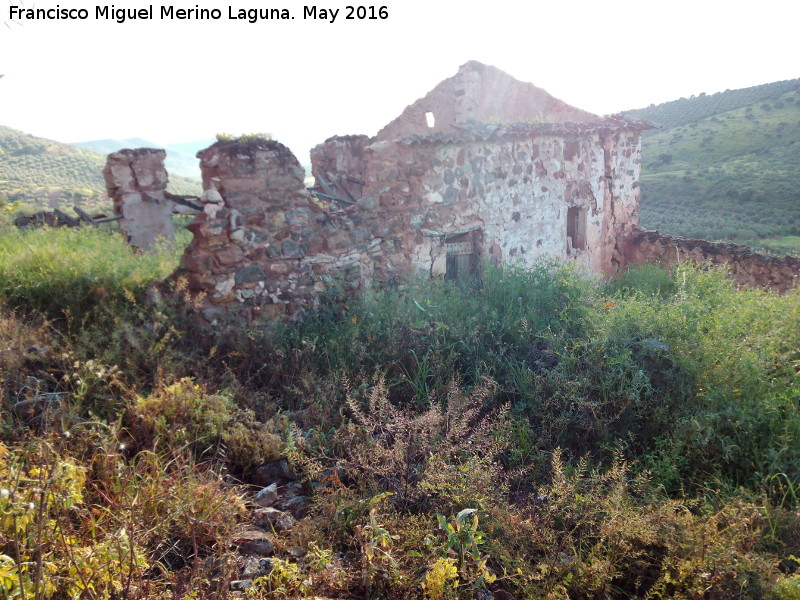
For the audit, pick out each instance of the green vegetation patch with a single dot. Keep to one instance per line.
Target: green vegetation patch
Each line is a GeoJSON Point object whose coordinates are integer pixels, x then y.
{"type": "Point", "coordinates": [73, 271]}
{"type": "Point", "coordinates": [787, 243]}
{"type": "Point", "coordinates": [536, 433]}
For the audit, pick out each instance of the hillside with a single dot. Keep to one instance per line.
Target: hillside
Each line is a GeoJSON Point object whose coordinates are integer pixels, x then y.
{"type": "Point", "coordinates": [40, 172]}
{"type": "Point", "coordinates": [725, 167]}
{"type": "Point", "coordinates": [690, 110]}
{"type": "Point", "coordinates": [178, 163]}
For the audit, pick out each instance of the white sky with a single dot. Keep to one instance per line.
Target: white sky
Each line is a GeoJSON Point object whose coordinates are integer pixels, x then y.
{"type": "Point", "coordinates": [303, 81]}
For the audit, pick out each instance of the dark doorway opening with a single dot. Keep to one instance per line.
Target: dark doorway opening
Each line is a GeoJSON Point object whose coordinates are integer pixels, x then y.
{"type": "Point", "coordinates": [462, 258]}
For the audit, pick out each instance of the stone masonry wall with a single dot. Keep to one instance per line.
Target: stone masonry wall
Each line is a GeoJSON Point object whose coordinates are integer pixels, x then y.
{"type": "Point", "coordinates": [623, 156]}
{"type": "Point", "coordinates": [137, 181]}
{"type": "Point", "coordinates": [748, 268]}
{"type": "Point", "coordinates": [262, 245]}
{"type": "Point", "coordinates": [339, 162]}
{"type": "Point", "coordinates": [515, 192]}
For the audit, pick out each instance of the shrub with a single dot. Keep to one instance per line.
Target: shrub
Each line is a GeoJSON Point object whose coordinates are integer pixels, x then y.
{"type": "Point", "coordinates": [51, 544]}
{"type": "Point", "coordinates": [439, 579]}
{"type": "Point", "coordinates": [447, 457]}
{"type": "Point", "coordinates": [650, 280]}
{"type": "Point", "coordinates": [423, 332]}
{"type": "Point", "coordinates": [600, 533]}
{"type": "Point", "coordinates": [25, 347]}
{"type": "Point", "coordinates": [787, 588]}
{"type": "Point", "coordinates": [184, 415]}
{"type": "Point", "coordinates": [285, 580]}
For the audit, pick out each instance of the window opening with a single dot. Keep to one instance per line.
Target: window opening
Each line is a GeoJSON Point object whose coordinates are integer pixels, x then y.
{"type": "Point", "coordinates": [576, 228]}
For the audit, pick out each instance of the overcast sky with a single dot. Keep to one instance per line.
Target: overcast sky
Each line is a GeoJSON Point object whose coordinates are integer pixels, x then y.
{"type": "Point", "coordinates": [303, 80]}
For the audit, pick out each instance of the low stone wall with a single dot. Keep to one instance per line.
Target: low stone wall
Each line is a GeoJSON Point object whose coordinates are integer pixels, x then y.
{"type": "Point", "coordinates": [747, 267]}
{"type": "Point", "coordinates": [136, 181]}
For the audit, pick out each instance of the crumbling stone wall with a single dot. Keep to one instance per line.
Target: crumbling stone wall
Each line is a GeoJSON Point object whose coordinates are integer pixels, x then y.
{"type": "Point", "coordinates": [341, 172]}
{"type": "Point", "coordinates": [747, 267]}
{"type": "Point", "coordinates": [136, 181]}
{"type": "Point", "coordinates": [481, 93]}
{"type": "Point", "coordinates": [263, 246]}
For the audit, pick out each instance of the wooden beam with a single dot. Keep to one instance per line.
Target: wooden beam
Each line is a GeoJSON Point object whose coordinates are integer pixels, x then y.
{"type": "Point", "coordinates": [335, 199]}
{"type": "Point", "coordinates": [340, 186]}
{"type": "Point", "coordinates": [328, 190]}
{"type": "Point", "coordinates": [84, 215]}
{"type": "Point", "coordinates": [184, 200]}
{"type": "Point", "coordinates": [109, 219]}
{"type": "Point", "coordinates": [71, 221]}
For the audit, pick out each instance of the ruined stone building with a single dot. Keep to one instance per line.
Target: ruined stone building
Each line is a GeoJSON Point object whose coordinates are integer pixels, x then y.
{"type": "Point", "coordinates": [483, 168]}
{"type": "Point", "coordinates": [496, 167]}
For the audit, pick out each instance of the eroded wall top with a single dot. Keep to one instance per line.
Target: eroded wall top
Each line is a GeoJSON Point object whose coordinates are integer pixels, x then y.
{"type": "Point", "coordinates": [482, 93]}
{"type": "Point", "coordinates": [506, 173]}
{"type": "Point", "coordinates": [263, 246]}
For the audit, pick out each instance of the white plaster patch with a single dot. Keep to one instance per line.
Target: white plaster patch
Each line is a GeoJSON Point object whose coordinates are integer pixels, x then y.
{"type": "Point", "coordinates": [224, 288]}
{"type": "Point", "coordinates": [434, 198]}
{"type": "Point", "coordinates": [439, 266]}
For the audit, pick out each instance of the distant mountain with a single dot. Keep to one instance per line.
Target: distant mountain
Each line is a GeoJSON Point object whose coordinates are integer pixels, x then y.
{"type": "Point", "coordinates": [192, 148]}
{"type": "Point", "coordinates": [41, 172]}
{"type": "Point", "coordinates": [725, 166]}
{"type": "Point", "coordinates": [108, 146]}
{"type": "Point", "coordinates": [178, 162]}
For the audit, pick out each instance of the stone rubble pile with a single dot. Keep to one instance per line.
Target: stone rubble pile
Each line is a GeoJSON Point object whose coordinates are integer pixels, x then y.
{"type": "Point", "coordinates": [280, 504]}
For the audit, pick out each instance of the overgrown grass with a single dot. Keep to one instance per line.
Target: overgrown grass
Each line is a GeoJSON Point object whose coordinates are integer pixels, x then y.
{"type": "Point", "coordinates": [89, 286]}
{"type": "Point", "coordinates": [788, 244]}
{"type": "Point", "coordinates": [688, 373]}
{"type": "Point", "coordinates": [424, 332]}
{"type": "Point", "coordinates": [613, 439]}
{"type": "Point", "coordinates": [739, 348]}
{"type": "Point", "coordinates": [63, 272]}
